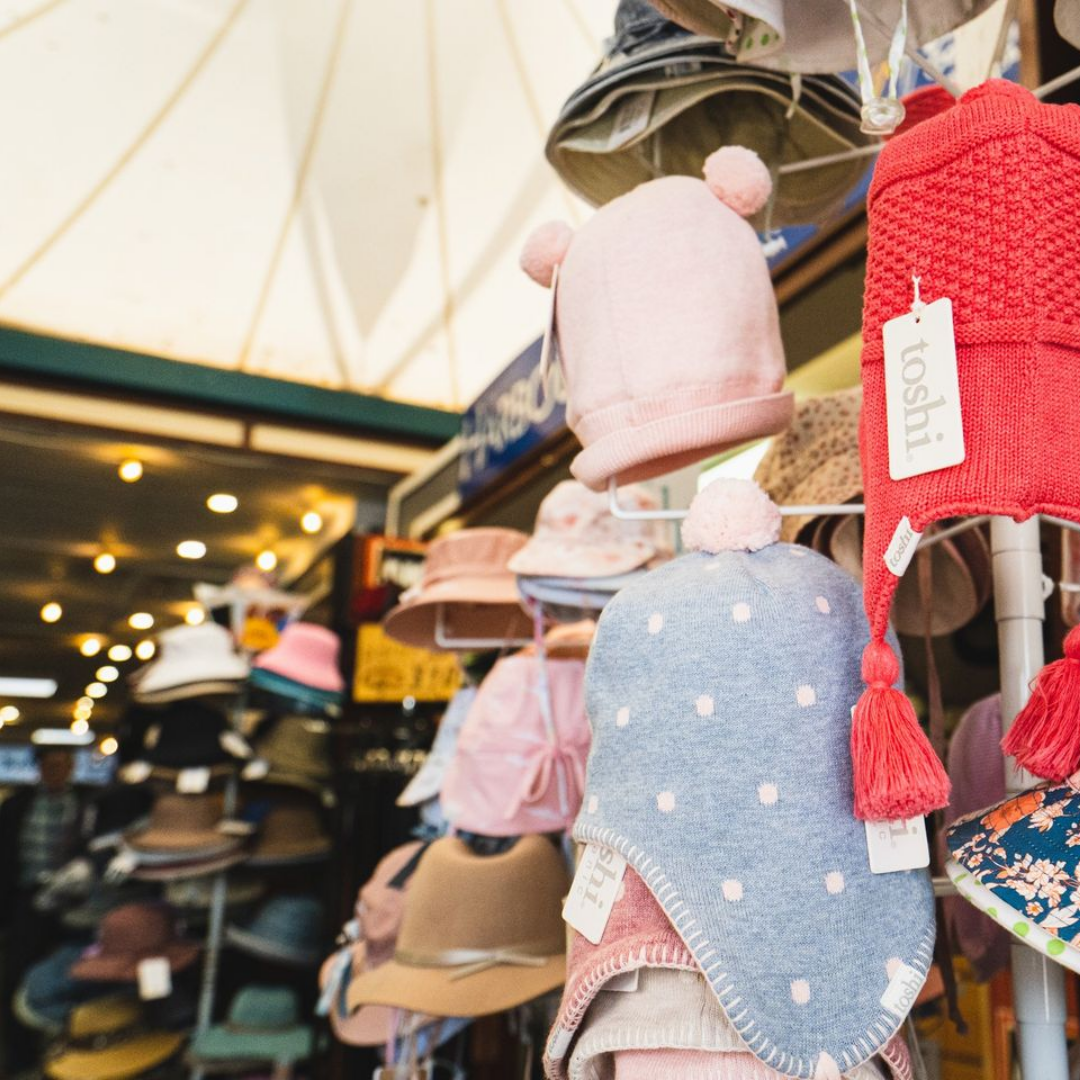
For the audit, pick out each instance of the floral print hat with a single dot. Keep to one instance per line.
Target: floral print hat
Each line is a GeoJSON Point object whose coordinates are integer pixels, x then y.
{"type": "Point", "coordinates": [1019, 862]}
{"type": "Point", "coordinates": [719, 691]}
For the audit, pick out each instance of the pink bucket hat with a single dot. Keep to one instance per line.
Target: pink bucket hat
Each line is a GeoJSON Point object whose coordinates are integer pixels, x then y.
{"type": "Point", "coordinates": [666, 323]}
{"type": "Point", "coordinates": [306, 654]}
{"type": "Point", "coordinates": [465, 573]}
{"type": "Point", "coordinates": [577, 536]}
{"type": "Point", "coordinates": [516, 771]}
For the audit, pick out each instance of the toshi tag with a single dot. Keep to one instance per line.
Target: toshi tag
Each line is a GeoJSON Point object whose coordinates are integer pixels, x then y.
{"type": "Point", "coordinates": [897, 845]}
{"type": "Point", "coordinates": [631, 119]}
{"type": "Point", "coordinates": [155, 978]}
{"type": "Point", "coordinates": [902, 546]}
{"type": "Point", "coordinates": [902, 991]}
{"type": "Point", "coordinates": [594, 892]}
{"type": "Point", "coordinates": [922, 391]}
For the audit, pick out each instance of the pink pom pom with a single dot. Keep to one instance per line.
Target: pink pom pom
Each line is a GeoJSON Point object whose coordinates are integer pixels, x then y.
{"type": "Point", "coordinates": [544, 250]}
{"type": "Point", "coordinates": [739, 179]}
{"type": "Point", "coordinates": [731, 515]}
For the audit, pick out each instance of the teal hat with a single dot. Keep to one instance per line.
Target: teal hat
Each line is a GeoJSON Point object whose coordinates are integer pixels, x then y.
{"type": "Point", "coordinates": [263, 1025]}
{"type": "Point", "coordinates": [286, 929]}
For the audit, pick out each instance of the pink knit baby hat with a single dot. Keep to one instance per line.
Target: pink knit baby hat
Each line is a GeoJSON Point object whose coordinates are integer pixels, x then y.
{"type": "Point", "coordinates": [666, 323]}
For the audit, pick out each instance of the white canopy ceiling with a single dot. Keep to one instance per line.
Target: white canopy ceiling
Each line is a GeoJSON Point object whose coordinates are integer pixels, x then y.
{"type": "Point", "coordinates": [332, 191]}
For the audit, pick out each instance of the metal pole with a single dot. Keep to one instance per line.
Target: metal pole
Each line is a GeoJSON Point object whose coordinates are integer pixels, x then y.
{"type": "Point", "coordinates": [1038, 984]}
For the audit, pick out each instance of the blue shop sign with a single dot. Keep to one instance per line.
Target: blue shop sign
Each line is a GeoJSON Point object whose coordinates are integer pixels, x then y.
{"type": "Point", "coordinates": [516, 414]}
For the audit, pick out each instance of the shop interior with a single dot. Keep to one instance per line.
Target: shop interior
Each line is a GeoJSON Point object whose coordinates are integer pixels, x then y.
{"type": "Point", "coordinates": [471, 609]}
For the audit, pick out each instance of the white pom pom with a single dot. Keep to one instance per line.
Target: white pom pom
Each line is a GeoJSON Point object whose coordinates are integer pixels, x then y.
{"type": "Point", "coordinates": [739, 179]}
{"type": "Point", "coordinates": [544, 250]}
{"type": "Point", "coordinates": [731, 515]}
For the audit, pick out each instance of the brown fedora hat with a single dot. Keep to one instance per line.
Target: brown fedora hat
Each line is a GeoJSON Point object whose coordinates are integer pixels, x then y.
{"type": "Point", "coordinates": [130, 934]}
{"type": "Point", "coordinates": [480, 933]}
{"type": "Point", "coordinates": [183, 826]}
{"type": "Point", "coordinates": [290, 833]}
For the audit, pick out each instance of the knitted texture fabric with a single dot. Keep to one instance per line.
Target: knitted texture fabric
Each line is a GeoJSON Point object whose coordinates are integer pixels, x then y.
{"type": "Point", "coordinates": [983, 203]}
{"type": "Point", "coordinates": [719, 691]}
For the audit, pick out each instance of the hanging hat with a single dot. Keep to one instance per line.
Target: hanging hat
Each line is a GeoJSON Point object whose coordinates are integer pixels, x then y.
{"type": "Point", "coordinates": [286, 929]}
{"type": "Point", "coordinates": [191, 661]}
{"type": "Point", "coordinates": [372, 936]}
{"type": "Point", "coordinates": [818, 37]}
{"type": "Point", "coordinates": [127, 936]}
{"type": "Point", "coordinates": [109, 1040]}
{"type": "Point", "coordinates": [1015, 342]}
{"type": "Point", "coordinates": [577, 536]}
{"type": "Point", "coordinates": [516, 769]}
{"type": "Point", "coordinates": [571, 600]}
{"type": "Point", "coordinates": [1015, 862]}
{"type": "Point", "coordinates": [481, 933]}
{"type": "Point", "coordinates": [428, 782]}
{"type": "Point", "coordinates": [668, 1024]}
{"type": "Point", "coordinates": [816, 461]}
{"type": "Point", "coordinates": [182, 827]}
{"type": "Point", "coordinates": [466, 575]}
{"type": "Point", "coordinates": [1067, 21]}
{"type": "Point", "coordinates": [977, 773]}
{"type": "Point", "coordinates": [923, 103]}
{"type": "Point", "coordinates": [303, 664]}
{"type": "Point", "coordinates": [48, 993]}
{"type": "Point", "coordinates": [641, 282]}
{"type": "Point", "coordinates": [263, 1024]}
{"type": "Point", "coordinates": [188, 735]}
{"type": "Point", "coordinates": [744, 870]}
{"type": "Point", "coordinates": [295, 751]}
{"type": "Point", "coordinates": [662, 99]}
{"type": "Point", "coordinates": [195, 897]}
{"type": "Point", "coordinates": [290, 833]}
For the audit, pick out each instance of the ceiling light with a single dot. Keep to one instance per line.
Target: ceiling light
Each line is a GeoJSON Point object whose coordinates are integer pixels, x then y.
{"type": "Point", "coordinates": [108, 746]}
{"type": "Point", "coordinates": [311, 522]}
{"type": "Point", "coordinates": [107, 674]}
{"type": "Point", "coordinates": [84, 703]}
{"type": "Point", "coordinates": [145, 649]}
{"type": "Point", "coordinates": [80, 726]}
{"type": "Point", "coordinates": [60, 737]}
{"type": "Point", "coordinates": [222, 503]}
{"type": "Point", "coordinates": [191, 549]}
{"type": "Point", "coordinates": [51, 612]}
{"type": "Point", "coordinates": [97, 690]}
{"type": "Point", "coordinates": [141, 620]}
{"type": "Point", "coordinates": [105, 563]}
{"type": "Point", "coordinates": [9, 714]}
{"type": "Point", "coordinates": [82, 714]}
{"type": "Point", "coordinates": [120, 653]}
{"type": "Point", "coordinates": [266, 560]}
{"type": "Point", "coordinates": [130, 470]}
{"type": "Point", "coordinates": [194, 616]}
{"type": "Point", "coordinates": [33, 688]}
{"type": "Point", "coordinates": [90, 646]}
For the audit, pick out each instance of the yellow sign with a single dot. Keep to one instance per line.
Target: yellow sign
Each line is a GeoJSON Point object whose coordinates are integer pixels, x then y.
{"type": "Point", "coordinates": [388, 671]}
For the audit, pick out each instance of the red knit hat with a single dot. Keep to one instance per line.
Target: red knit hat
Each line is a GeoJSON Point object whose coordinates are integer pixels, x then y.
{"type": "Point", "coordinates": [982, 203]}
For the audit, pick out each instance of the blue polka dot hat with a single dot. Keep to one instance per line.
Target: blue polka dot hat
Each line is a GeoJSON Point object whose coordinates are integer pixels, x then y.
{"type": "Point", "coordinates": [719, 691]}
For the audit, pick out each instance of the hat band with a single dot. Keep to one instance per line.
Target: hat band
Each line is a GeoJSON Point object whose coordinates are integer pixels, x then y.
{"type": "Point", "coordinates": [469, 961]}
{"type": "Point", "coordinates": [102, 1041]}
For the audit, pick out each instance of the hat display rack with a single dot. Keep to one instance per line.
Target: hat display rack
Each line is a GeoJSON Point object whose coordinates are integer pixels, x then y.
{"type": "Point", "coordinates": [727, 527]}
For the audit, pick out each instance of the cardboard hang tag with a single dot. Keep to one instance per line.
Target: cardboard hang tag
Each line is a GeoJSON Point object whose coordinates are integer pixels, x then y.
{"type": "Point", "coordinates": [631, 119]}
{"type": "Point", "coordinates": [594, 892]}
{"type": "Point", "coordinates": [897, 845]}
{"type": "Point", "coordinates": [155, 978]}
{"type": "Point", "coordinates": [922, 392]}
{"type": "Point", "coordinates": [902, 991]}
{"type": "Point", "coordinates": [193, 781]}
{"type": "Point", "coordinates": [902, 547]}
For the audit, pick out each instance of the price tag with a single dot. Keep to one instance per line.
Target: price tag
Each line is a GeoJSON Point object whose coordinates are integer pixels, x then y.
{"type": "Point", "coordinates": [155, 978]}
{"type": "Point", "coordinates": [256, 770]}
{"type": "Point", "coordinates": [192, 781]}
{"type": "Point", "coordinates": [897, 845]}
{"type": "Point", "coordinates": [594, 891]}
{"type": "Point", "coordinates": [902, 546]}
{"type": "Point", "coordinates": [922, 392]}
{"type": "Point", "coordinates": [235, 744]}
{"type": "Point", "coordinates": [135, 772]}
{"type": "Point", "coordinates": [631, 119]}
{"type": "Point", "coordinates": [234, 827]}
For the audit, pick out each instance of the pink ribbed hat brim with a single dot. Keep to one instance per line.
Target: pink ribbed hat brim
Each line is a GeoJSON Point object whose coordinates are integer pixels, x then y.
{"type": "Point", "coordinates": [635, 452]}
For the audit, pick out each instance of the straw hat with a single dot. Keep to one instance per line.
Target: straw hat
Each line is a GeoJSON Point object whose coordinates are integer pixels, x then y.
{"type": "Point", "coordinates": [290, 833]}
{"type": "Point", "coordinates": [465, 573]}
{"type": "Point", "coordinates": [106, 1040]}
{"type": "Point", "coordinates": [182, 827]}
{"type": "Point", "coordinates": [129, 935]}
{"type": "Point", "coordinates": [295, 751]}
{"type": "Point", "coordinates": [480, 934]}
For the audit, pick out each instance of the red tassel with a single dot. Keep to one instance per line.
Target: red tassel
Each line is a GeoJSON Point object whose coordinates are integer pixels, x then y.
{"type": "Point", "coordinates": [897, 773]}
{"type": "Point", "coordinates": [1045, 736]}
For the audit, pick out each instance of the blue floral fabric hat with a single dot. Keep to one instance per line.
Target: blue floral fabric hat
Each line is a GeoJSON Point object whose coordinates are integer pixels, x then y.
{"type": "Point", "coordinates": [1019, 862]}
{"type": "Point", "coordinates": [719, 690]}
